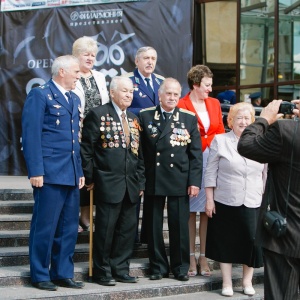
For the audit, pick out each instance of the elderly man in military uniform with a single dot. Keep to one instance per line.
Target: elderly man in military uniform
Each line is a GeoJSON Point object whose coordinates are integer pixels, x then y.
{"type": "Point", "coordinates": [113, 165]}
{"type": "Point", "coordinates": [173, 166]}
{"type": "Point", "coordinates": [145, 82]}
{"type": "Point", "coordinates": [50, 125]}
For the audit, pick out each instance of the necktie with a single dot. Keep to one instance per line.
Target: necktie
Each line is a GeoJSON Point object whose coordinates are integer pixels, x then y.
{"type": "Point", "coordinates": [125, 128]}
{"type": "Point", "coordinates": [149, 87]}
{"type": "Point", "coordinates": [167, 115]}
{"type": "Point", "coordinates": [70, 100]}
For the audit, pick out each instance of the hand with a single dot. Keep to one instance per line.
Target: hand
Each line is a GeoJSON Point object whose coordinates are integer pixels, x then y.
{"type": "Point", "coordinates": [296, 111]}
{"type": "Point", "coordinates": [37, 181]}
{"type": "Point", "coordinates": [89, 186]}
{"type": "Point", "coordinates": [81, 182]}
{"type": "Point", "coordinates": [270, 112]}
{"type": "Point", "coordinates": [193, 191]}
{"type": "Point", "coordinates": [210, 208]}
{"type": "Point", "coordinates": [141, 193]}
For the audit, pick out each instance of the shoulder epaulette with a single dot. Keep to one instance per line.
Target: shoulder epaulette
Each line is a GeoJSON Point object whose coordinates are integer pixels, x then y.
{"type": "Point", "coordinates": [159, 76]}
{"type": "Point", "coordinates": [129, 74]}
{"type": "Point", "coordinates": [148, 108]}
{"type": "Point", "coordinates": [43, 86]}
{"type": "Point", "coordinates": [187, 111]}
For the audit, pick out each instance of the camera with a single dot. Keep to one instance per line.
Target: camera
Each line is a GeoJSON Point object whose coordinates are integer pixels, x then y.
{"type": "Point", "coordinates": [286, 108]}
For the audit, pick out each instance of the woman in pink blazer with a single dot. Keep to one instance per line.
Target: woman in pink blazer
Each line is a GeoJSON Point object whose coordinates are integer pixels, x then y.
{"type": "Point", "coordinates": [210, 123]}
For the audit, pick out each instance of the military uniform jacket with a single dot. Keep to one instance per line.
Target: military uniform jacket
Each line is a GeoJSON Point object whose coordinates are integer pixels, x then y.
{"type": "Point", "coordinates": [50, 128]}
{"type": "Point", "coordinates": [106, 160]}
{"type": "Point", "coordinates": [172, 152]}
{"type": "Point", "coordinates": [142, 98]}
{"type": "Point", "coordinates": [272, 145]}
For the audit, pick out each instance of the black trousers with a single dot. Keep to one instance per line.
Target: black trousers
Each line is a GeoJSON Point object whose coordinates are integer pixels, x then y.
{"type": "Point", "coordinates": [282, 275]}
{"type": "Point", "coordinates": [114, 235]}
{"type": "Point", "coordinates": [178, 216]}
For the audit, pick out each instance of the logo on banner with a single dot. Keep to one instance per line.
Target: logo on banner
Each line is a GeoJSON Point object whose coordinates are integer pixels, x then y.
{"type": "Point", "coordinates": [111, 54]}
{"type": "Point", "coordinates": [83, 18]}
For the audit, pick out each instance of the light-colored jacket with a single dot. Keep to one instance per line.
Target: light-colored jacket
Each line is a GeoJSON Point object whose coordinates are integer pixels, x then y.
{"type": "Point", "coordinates": [236, 180]}
{"type": "Point", "coordinates": [101, 84]}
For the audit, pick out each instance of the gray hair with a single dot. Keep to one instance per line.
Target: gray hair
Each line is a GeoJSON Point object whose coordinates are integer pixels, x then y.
{"type": "Point", "coordinates": [142, 50]}
{"type": "Point", "coordinates": [116, 80]}
{"type": "Point", "coordinates": [84, 44]}
{"type": "Point", "coordinates": [167, 80]}
{"type": "Point", "coordinates": [63, 62]}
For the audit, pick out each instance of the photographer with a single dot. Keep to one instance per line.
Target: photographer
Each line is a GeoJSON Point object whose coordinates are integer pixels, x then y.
{"type": "Point", "coordinates": [270, 140]}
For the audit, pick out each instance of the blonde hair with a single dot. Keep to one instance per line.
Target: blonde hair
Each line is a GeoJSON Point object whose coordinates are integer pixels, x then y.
{"type": "Point", "coordinates": [240, 106]}
{"type": "Point", "coordinates": [84, 44]}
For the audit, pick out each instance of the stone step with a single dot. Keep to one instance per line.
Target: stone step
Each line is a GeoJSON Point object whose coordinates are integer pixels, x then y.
{"type": "Point", "coordinates": [145, 288]}
{"type": "Point", "coordinates": [15, 222]}
{"type": "Point", "coordinates": [14, 256]}
{"type": "Point", "coordinates": [17, 238]}
{"type": "Point", "coordinates": [216, 295]}
{"type": "Point", "coordinates": [10, 207]}
{"type": "Point", "coordinates": [16, 194]}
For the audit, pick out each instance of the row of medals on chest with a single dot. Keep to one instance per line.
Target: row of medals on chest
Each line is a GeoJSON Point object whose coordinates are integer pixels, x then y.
{"type": "Point", "coordinates": [179, 136]}
{"type": "Point", "coordinates": [111, 131]}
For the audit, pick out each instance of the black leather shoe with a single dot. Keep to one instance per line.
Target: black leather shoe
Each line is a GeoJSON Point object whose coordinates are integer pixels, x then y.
{"type": "Point", "coordinates": [155, 277]}
{"type": "Point", "coordinates": [158, 276]}
{"type": "Point", "coordinates": [126, 278]}
{"type": "Point", "coordinates": [108, 281]}
{"type": "Point", "coordinates": [69, 283]}
{"type": "Point", "coordinates": [182, 277]}
{"type": "Point", "coordinates": [45, 285]}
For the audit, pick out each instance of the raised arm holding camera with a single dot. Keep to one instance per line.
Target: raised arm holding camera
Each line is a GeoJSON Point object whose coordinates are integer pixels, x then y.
{"type": "Point", "coordinates": [275, 141]}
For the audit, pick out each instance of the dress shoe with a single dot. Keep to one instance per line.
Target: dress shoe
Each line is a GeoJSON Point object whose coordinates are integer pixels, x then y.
{"type": "Point", "coordinates": [227, 291]}
{"type": "Point", "coordinates": [69, 283]}
{"type": "Point", "coordinates": [108, 281]}
{"type": "Point", "coordinates": [126, 278]}
{"type": "Point", "coordinates": [249, 290]}
{"type": "Point", "coordinates": [85, 227]}
{"type": "Point", "coordinates": [158, 276]}
{"type": "Point", "coordinates": [182, 277]}
{"type": "Point", "coordinates": [45, 285]}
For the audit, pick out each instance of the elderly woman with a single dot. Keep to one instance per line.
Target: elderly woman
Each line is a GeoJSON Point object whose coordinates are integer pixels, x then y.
{"type": "Point", "coordinates": [234, 186]}
{"type": "Point", "coordinates": [209, 116]}
{"type": "Point", "coordinates": [92, 91]}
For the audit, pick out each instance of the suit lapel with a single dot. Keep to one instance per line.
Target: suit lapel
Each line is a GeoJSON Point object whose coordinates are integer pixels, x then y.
{"type": "Point", "coordinates": [167, 125]}
{"type": "Point", "coordinates": [233, 140]}
{"type": "Point", "coordinates": [60, 98]}
{"type": "Point", "coordinates": [142, 86]}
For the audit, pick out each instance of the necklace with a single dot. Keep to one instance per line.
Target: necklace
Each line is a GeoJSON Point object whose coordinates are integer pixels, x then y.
{"type": "Point", "coordinates": [87, 81]}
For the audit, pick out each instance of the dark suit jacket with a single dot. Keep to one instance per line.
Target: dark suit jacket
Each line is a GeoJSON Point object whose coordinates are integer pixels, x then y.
{"type": "Point", "coordinates": [142, 98]}
{"type": "Point", "coordinates": [50, 136]}
{"type": "Point", "coordinates": [172, 152]}
{"type": "Point", "coordinates": [273, 145]}
{"type": "Point", "coordinates": [105, 162]}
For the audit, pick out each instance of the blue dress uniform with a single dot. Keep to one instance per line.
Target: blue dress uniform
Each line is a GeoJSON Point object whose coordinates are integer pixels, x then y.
{"type": "Point", "coordinates": [173, 162]}
{"type": "Point", "coordinates": [51, 149]}
{"type": "Point", "coordinates": [142, 97]}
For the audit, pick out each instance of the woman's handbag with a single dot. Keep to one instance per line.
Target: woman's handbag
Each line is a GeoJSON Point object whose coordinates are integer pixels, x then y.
{"type": "Point", "coordinates": [273, 221]}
